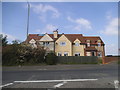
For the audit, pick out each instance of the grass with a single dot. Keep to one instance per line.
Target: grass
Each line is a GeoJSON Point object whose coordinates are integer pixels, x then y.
{"type": "Point", "coordinates": [118, 61]}
{"type": "Point", "coordinates": [26, 64]}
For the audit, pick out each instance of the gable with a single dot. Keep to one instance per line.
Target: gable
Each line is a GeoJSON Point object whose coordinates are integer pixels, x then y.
{"type": "Point", "coordinates": [32, 41]}
{"type": "Point", "coordinates": [46, 37]}
{"type": "Point", "coordinates": [77, 40]}
{"type": "Point", "coordinates": [63, 38]}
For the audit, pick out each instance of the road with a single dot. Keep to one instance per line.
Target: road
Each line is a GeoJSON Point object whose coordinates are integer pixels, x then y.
{"type": "Point", "coordinates": [61, 76]}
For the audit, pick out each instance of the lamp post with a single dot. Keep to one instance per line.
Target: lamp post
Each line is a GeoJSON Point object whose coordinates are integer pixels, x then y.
{"type": "Point", "coordinates": [28, 19]}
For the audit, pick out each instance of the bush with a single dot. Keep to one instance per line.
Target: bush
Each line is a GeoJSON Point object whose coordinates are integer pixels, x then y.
{"type": "Point", "coordinates": [100, 60]}
{"type": "Point", "coordinates": [51, 59]}
{"type": "Point", "coordinates": [19, 54]}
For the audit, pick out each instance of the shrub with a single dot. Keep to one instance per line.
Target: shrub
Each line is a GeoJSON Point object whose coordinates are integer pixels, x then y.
{"type": "Point", "coordinates": [19, 54]}
{"type": "Point", "coordinates": [51, 59]}
{"type": "Point", "coordinates": [100, 60]}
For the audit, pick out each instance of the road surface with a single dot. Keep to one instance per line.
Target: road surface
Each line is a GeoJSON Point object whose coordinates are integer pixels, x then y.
{"type": "Point", "coordinates": [60, 76]}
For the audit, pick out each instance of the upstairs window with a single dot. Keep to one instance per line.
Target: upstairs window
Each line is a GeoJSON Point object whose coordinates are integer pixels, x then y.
{"type": "Point", "coordinates": [99, 44]}
{"type": "Point", "coordinates": [88, 44]}
{"type": "Point", "coordinates": [77, 44]}
{"type": "Point", "coordinates": [45, 43]}
{"type": "Point", "coordinates": [62, 43]}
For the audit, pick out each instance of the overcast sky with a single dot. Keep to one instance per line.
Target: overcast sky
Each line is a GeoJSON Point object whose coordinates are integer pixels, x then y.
{"type": "Point", "coordinates": [87, 18]}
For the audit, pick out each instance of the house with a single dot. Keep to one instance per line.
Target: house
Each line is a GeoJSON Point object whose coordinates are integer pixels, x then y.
{"type": "Point", "coordinates": [68, 44]}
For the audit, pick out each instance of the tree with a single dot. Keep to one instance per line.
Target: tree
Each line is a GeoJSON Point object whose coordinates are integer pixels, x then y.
{"type": "Point", "coordinates": [3, 39]}
{"type": "Point", "coordinates": [16, 42]}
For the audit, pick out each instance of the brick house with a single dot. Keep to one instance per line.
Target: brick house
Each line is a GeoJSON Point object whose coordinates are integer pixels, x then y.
{"type": "Point", "coordinates": [68, 44]}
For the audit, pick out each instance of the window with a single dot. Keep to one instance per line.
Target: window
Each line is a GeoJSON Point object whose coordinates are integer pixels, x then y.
{"type": "Point", "coordinates": [88, 54]}
{"type": "Point", "coordinates": [93, 53]}
{"type": "Point", "coordinates": [65, 54]}
{"type": "Point", "coordinates": [62, 43]}
{"type": "Point", "coordinates": [77, 44]}
{"type": "Point", "coordinates": [88, 44]}
{"type": "Point", "coordinates": [99, 54]}
{"type": "Point", "coordinates": [45, 43]}
{"type": "Point", "coordinates": [59, 54]}
{"type": "Point", "coordinates": [99, 44]}
{"type": "Point", "coordinates": [77, 54]}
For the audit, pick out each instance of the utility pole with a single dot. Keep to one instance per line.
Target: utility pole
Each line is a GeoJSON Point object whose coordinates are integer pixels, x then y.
{"type": "Point", "coordinates": [28, 19]}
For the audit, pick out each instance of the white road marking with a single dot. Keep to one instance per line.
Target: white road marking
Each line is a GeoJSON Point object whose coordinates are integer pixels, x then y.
{"type": "Point", "coordinates": [59, 85]}
{"type": "Point", "coordinates": [6, 85]}
{"type": "Point", "coordinates": [41, 69]}
{"type": "Point", "coordinates": [116, 83]}
{"type": "Point", "coordinates": [69, 80]}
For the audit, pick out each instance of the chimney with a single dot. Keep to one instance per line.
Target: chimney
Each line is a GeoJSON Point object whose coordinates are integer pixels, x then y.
{"type": "Point", "coordinates": [55, 33]}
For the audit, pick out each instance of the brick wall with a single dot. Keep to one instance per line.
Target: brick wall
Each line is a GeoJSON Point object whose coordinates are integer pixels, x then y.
{"type": "Point", "coordinates": [110, 59]}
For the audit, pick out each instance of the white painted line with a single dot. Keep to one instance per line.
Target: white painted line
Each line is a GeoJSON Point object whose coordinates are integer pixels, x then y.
{"type": "Point", "coordinates": [116, 83]}
{"type": "Point", "coordinates": [69, 80]}
{"type": "Point", "coordinates": [6, 85]}
{"type": "Point", "coordinates": [41, 69]}
{"type": "Point", "coordinates": [59, 85]}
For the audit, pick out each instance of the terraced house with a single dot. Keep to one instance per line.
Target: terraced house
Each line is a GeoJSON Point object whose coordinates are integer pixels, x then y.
{"type": "Point", "coordinates": [68, 44]}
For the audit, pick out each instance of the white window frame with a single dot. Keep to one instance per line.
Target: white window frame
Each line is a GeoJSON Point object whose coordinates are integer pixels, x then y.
{"type": "Point", "coordinates": [88, 53]}
{"type": "Point", "coordinates": [88, 44]}
{"type": "Point", "coordinates": [99, 44]}
{"type": "Point", "coordinates": [59, 54]}
{"type": "Point", "coordinates": [61, 44]}
{"type": "Point", "coordinates": [78, 54]}
{"type": "Point", "coordinates": [77, 44]}
{"type": "Point", "coordinates": [99, 54]}
{"type": "Point", "coordinates": [65, 53]}
{"type": "Point", "coordinates": [46, 43]}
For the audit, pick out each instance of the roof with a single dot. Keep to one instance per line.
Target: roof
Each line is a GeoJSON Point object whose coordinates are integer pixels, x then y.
{"type": "Point", "coordinates": [93, 39]}
{"type": "Point", "coordinates": [71, 37]}
{"type": "Point", "coordinates": [90, 49]}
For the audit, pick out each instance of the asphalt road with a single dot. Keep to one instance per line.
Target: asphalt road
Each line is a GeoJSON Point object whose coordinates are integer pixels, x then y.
{"type": "Point", "coordinates": [66, 76]}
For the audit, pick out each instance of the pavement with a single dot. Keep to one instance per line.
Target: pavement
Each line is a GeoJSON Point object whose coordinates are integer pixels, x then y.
{"type": "Point", "coordinates": [61, 76]}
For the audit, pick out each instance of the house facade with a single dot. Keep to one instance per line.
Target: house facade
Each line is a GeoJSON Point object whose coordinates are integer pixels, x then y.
{"type": "Point", "coordinates": [68, 44]}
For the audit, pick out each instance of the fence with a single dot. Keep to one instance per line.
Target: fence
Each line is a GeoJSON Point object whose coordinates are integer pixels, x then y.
{"type": "Point", "coordinates": [77, 59]}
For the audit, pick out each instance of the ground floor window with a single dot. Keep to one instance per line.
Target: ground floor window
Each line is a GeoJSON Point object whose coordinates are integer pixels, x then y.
{"type": "Point", "coordinates": [59, 54]}
{"type": "Point", "coordinates": [88, 54]}
{"type": "Point", "coordinates": [77, 54]}
{"type": "Point", "coordinates": [99, 54]}
{"type": "Point", "coordinates": [65, 53]}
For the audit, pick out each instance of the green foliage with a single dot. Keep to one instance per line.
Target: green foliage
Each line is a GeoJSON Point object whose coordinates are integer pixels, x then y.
{"type": "Point", "coordinates": [100, 60]}
{"type": "Point", "coordinates": [51, 59]}
{"type": "Point", "coordinates": [16, 41]}
{"type": "Point", "coordinates": [3, 40]}
{"type": "Point", "coordinates": [118, 61]}
{"type": "Point", "coordinates": [19, 54]}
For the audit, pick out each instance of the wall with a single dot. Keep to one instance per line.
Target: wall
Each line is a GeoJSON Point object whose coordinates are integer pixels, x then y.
{"type": "Point", "coordinates": [62, 49]}
{"type": "Point", "coordinates": [101, 49]}
{"type": "Point", "coordinates": [78, 49]}
{"type": "Point", "coordinates": [50, 46]}
{"type": "Point", "coordinates": [110, 59]}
